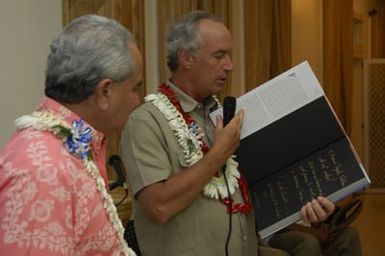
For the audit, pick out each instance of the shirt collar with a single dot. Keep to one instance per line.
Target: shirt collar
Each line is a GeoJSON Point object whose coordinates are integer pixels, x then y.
{"type": "Point", "coordinates": [188, 103]}
{"type": "Point", "coordinates": [60, 111]}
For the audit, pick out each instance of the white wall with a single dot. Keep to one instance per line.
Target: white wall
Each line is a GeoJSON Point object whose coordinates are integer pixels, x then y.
{"type": "Point", "coordinates": [26, 30]}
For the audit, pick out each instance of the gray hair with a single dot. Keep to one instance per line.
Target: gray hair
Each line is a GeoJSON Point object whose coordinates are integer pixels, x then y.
{"type": "Point", "coordinates": [184, 35]}
{"type": "Point", "coordinates": [90, 49]}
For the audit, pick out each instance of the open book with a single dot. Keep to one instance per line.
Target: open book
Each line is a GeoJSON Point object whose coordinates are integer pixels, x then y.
{"type": "Point", "coordinates": [293, 148]}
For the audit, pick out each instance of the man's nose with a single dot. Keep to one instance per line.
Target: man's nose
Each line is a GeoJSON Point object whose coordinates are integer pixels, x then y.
{"type": "Point", "coordinates": [228, 64]}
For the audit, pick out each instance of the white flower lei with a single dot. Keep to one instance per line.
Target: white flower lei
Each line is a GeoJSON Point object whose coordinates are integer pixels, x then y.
{"type": "Point", "coordinates": [45, 121]}
{"type": "Point", "coordinates": [216, 187]}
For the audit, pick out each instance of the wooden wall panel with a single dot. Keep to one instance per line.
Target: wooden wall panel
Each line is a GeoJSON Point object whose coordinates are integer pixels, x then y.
{"type": "Point", "coordinates": [377, 27]}
{"type": "Point", "coordinates": [374, 117]}
{"type": "Point", "coordinates": [130, 13]}
{"type": "Point", "coordinates": [338, 57]}
{"type": "Point", "coordinates": [76, 8]}
{"type": "Point", "coordinates": [267, 26]}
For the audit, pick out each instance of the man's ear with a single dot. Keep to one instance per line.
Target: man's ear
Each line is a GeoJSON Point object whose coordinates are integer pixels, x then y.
{"type": "Point", "coordinates": [103, 93]}
{"type": "Point", "coordinates": [185, 58]}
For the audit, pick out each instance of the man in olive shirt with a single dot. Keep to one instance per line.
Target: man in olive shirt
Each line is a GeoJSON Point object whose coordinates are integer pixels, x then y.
{"type": "Point", "coordinates": [174, 154]}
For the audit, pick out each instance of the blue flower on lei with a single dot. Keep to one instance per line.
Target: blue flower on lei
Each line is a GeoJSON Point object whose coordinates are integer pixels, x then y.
{"type": "Point", "coordinates": [78, 142]}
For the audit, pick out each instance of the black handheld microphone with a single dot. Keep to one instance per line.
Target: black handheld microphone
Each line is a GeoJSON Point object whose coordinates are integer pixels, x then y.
{"type": "Point", "coordinates": [229, 106]}
{"type": "Point", "coordinates": [116, 164]}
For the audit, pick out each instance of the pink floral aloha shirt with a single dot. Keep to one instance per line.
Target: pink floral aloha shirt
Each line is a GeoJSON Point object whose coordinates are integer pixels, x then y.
{"type": "Point", "coordinates": [49, 204]}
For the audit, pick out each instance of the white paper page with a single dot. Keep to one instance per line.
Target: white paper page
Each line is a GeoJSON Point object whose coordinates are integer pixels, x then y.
{"type": "Point", "coordinates": [277, 98]}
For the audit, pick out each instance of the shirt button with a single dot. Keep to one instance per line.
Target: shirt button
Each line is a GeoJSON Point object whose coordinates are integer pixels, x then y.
{"type": "Point", "coordinates": [244, 238]}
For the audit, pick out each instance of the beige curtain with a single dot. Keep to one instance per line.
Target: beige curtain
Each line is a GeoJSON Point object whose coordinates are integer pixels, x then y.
{"type": "Point", "coordinates": [267, 26]}
{"type": "Point", "coordinates": [338, 57]}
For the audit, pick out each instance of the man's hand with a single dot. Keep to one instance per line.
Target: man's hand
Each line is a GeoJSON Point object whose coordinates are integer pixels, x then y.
{"type": "Point", "coordinates": [162, 200]}
{"type": "Point", "coordinates": [317, 210]}
{"type": "Point", "coordinates": [227, 139]}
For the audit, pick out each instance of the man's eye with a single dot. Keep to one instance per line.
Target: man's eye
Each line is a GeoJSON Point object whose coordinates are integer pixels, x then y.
{"type": "Point", "coordinates": [219, 55]}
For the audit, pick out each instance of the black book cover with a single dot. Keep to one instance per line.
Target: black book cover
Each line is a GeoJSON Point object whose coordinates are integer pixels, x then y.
{"type": "Point", "coordinates": [288, 140]}
{"type": "Point", "coordinates": [293, 148]}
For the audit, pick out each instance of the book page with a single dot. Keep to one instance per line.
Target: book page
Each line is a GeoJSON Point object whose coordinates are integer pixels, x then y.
{"type": "Point", "coordinates": [277, 98]}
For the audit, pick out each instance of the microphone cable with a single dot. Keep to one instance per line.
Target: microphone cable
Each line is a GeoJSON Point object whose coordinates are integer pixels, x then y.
{"type": "Point", "coordinates": [125, 195]}
{"type": "Point", "coordinates": [229, 107]}
{"type": "Point", "coordinates": [230, 206]}
{"type": "Point", "coordinates": [116, 163]}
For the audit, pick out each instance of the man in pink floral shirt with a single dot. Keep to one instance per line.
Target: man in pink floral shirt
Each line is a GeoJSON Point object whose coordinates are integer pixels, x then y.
{"type": "Point", "coordinates": [53, 194]}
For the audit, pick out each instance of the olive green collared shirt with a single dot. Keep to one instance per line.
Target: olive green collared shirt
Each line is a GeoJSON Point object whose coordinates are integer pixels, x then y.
{"type": "Point", "coordinates": [151, 154]}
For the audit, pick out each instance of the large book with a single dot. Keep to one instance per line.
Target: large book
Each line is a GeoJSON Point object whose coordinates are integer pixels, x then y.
{"type": "Point", "coordinates": [293, 148]}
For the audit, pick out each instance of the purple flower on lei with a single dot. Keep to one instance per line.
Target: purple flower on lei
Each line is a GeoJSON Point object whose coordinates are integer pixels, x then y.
{"type": "Point", "coordinates": [78, 142]}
